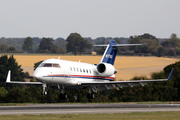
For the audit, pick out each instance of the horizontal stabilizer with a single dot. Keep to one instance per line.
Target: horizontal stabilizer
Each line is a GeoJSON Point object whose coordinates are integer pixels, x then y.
{"type": "Point", "coordinates": [109, 55]}
{"type": "Point", "coordinates": [119, 45]}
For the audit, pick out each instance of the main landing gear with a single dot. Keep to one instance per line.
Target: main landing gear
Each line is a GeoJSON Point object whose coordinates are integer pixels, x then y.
{"type": "Point", "coordinates": [63, 95]}
{"type": "Point", "coordinates": [90, 95]}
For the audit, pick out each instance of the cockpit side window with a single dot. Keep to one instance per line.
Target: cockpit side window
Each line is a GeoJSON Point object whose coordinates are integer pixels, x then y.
{"type": "Point", "coordinates": [41, 65]}
{"type": "Point", "coordinates": [56, 65]}
{"type": "Point", "coordinates": [50, 65]}
{"type": "Point", "coordinates": [47, 65]}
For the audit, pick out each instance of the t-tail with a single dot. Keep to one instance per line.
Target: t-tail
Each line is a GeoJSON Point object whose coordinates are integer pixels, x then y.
{"type": "Point", "coordinates": [109, 55]}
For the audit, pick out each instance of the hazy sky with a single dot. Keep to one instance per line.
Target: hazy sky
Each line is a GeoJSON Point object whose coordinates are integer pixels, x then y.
{"type": "Point", "coordinates": [90, 18]}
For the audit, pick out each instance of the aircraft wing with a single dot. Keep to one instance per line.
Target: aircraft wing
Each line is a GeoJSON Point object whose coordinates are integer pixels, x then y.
{"type": "Point", "coordinates": [8, 80]}
{"type": "Point", "coordinates": [122, 84]}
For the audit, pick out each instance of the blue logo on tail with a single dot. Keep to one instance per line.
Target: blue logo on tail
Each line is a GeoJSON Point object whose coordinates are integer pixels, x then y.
{"type": "Point", "coordinates": [110, 53]}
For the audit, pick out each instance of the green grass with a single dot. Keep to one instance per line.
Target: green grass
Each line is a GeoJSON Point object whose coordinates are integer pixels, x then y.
{"type": "Point", "coordinates": [13, 104]}
{"type": "Point", "coordinates": [115, 116]}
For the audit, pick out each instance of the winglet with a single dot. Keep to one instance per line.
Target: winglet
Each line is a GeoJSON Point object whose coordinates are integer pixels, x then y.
{"type": "Point", "coordinates": [170, 75]}
{"type": "Point", "coordinates": [8, 79]}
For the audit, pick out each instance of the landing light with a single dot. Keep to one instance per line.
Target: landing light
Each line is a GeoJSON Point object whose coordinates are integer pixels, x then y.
{"type": "Point", "coordinates": [78, 83]}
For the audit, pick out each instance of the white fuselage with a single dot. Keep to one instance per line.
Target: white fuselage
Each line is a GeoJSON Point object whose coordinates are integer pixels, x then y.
{"type": "Point", "coordinates": [67, 73]}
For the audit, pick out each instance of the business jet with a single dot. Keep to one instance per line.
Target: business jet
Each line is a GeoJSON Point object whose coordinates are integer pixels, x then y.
{"type": "Point", "coordinates": [64, 75]}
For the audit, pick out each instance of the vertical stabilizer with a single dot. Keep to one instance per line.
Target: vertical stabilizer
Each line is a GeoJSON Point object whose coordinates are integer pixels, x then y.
{"type": "Point", "coordinates": [110, 53]}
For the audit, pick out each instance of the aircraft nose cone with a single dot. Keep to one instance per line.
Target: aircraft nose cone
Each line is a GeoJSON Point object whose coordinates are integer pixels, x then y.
{"type": "Point", "coordinates": [36, 75]}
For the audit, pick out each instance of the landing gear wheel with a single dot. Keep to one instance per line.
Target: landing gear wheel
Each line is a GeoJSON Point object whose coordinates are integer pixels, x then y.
{"type": "Point", "coordinates": [92, 95]}
{"type": "Point", "coordinates": [44, 92]}
{"type": "Point", "coordinates": [65, 96]}
{"type": "Point", "coordinates": [62, 96]}
{"type": "Point", "coordinates": [89, 95]}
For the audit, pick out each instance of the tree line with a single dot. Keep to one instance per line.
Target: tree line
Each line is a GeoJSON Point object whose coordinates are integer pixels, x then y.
{"type": "Point", "coordinates": [156, 91]}
{"type": "Point", "coordinates": [76, 44]}
{"type": "Point", "coordinates": [170, 47]}
{"type": "Point", "coordinates": [5, 48]}
{"type": "Point", "coordinates": [73, 44]}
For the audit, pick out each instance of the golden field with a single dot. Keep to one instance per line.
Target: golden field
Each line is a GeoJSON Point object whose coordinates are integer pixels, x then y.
{"type": "Point", "coordinates": [127, 67]}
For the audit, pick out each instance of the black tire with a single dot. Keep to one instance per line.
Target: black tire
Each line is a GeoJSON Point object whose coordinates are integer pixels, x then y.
{"type": "Point", "coordinates": [65, 96]}
{"type": "Point", "coordinates": [61, 96]}
{"type": "Point", "coordinates": [44, 92]}
{"type": "Point", "coordinates": [92, 95]}
{"type": "Point", "coordinates": [89, 95]}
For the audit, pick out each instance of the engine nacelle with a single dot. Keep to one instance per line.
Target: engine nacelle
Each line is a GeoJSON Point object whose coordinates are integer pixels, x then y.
{"type": "Point", "coordinates": [105, 69]}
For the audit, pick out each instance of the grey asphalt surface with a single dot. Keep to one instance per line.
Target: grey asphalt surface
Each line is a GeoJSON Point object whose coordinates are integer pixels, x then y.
{"type": "Point", "coordinates": [86, 108]}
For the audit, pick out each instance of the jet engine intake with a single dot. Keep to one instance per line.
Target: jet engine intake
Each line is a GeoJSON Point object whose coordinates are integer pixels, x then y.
{"type": "Point", "coordinates": [105, 69]}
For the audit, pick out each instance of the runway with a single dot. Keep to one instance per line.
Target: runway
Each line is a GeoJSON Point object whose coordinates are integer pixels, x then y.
{"type": "Point", "coordinates": [85, 108]}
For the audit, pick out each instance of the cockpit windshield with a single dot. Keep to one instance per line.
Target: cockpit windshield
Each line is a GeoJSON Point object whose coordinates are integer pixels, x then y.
{"type": "Point", "coordinates": [50, 65]}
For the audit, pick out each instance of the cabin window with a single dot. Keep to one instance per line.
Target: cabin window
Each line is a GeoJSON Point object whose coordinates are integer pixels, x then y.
{"type": "Point", "coordinates": [74, 69]}
{"type": "Point", "coordinates": [71, 68]}
{"type": "Point", "coordinates": [89, 71]}
{"type": "Point", "coordinates": [80, 70]}
{"type": "Point", "coordinates": [77, 69]}
{"type": "Point", "coordinates": [84, 70]}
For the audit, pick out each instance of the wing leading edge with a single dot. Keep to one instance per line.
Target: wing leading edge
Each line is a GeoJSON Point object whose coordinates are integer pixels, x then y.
{"type": "Point", "coordinates": [122, 84]}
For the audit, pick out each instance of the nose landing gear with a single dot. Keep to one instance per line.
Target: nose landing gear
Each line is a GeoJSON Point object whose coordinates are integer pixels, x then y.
{"type": "Point", "coordinates": [44, 92]}
{"type": "Point", "coordinates": [62, 95]}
